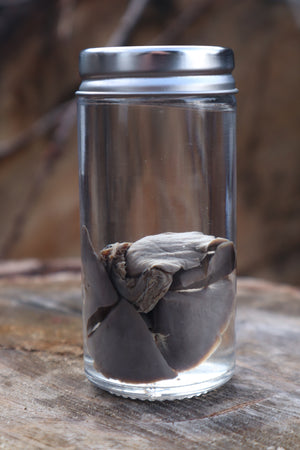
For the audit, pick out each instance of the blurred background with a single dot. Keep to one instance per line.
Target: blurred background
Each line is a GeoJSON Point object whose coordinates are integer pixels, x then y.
{"type": "Point", "coordinates": [39, 45]}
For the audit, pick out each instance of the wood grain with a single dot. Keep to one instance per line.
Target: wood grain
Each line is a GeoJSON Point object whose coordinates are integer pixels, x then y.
{"type": "Point", "coordinates": [46, 401]}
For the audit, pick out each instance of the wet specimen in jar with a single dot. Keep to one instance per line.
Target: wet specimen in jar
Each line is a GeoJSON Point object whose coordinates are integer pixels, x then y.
{"type": "Point", "coordinates": [157, 306]}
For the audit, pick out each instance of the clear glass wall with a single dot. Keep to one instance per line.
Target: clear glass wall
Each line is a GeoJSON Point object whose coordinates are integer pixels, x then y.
{"type": "Point", "coordinates": [158, 311]}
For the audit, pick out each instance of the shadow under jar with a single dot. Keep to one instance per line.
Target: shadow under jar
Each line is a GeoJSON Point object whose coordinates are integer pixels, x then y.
{"type": "Point", "coordinates": [157, 202]}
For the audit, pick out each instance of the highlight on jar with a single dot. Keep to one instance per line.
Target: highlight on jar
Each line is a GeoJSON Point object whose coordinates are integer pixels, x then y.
{"type": "Point", "coordinates": [156, 307]}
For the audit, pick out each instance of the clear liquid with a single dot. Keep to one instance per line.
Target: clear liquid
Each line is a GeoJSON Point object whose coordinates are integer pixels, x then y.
{"type": "Point", "coordinates": [151, 165]}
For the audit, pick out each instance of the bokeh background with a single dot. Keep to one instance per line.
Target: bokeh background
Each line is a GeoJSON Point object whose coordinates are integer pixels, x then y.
{"type": "Point", "coordinates": [39, 45]}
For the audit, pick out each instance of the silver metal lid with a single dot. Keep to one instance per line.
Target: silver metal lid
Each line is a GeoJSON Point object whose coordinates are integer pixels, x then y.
{"type": "Point", "coordinates": [156, 70]}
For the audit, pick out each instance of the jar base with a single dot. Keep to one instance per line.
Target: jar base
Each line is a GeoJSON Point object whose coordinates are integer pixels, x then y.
{"type": "Point", "coordinates": [197, 381]}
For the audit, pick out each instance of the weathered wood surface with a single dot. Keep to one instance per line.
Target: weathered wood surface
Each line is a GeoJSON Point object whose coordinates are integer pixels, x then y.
{"type": "Point", "coordinates": [46, 401]}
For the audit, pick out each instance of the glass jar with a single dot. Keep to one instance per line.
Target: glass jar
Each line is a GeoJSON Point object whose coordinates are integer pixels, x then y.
{"type": "Point", "coordinates": [157, 202]}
